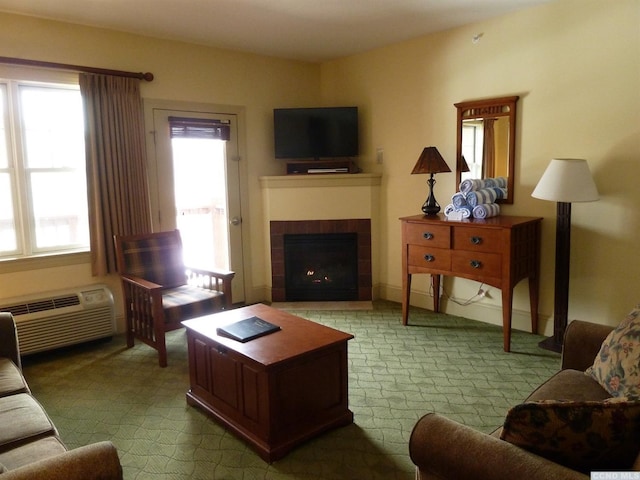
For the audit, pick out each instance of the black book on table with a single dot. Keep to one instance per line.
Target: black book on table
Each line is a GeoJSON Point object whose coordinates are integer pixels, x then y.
{"type": "Point", "coordinates": [247, 329]}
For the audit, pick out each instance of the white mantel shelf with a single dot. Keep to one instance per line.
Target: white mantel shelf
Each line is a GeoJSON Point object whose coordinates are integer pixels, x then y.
{"type": "Point", "coordinates": [322, 180]}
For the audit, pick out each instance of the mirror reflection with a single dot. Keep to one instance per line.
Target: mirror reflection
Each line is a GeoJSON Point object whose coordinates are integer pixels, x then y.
{"type": "Point", "coordinates": [486, 141]}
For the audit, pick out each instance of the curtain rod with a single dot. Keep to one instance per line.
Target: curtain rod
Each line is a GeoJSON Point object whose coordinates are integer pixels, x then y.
{"type": "Point", "coordinates": [62, 66]}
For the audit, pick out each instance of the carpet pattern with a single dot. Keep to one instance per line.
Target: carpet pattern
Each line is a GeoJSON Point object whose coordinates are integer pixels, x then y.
{"type": "Point", "coordinates": [450, 365]}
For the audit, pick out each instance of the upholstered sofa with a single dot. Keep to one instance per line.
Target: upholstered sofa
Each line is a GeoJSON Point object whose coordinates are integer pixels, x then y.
{"type": "Point", "coordinates": [30, 447]}
{"type": "Point", "coordinates": [444, 449]}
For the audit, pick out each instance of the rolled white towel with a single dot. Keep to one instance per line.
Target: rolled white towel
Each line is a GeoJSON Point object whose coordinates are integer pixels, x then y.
{"type": "Point", "coordinates": [458, 200]}
{"type": "Point", "coordinates": [500, 192]}
{"type": "Point", "coordinates": [501, 182]}
{"type": "Point", "coordinates": [465, 210]}
{"type": "Point", "coordinates": [484, 195]}
{"type": "Point", "coordinates": [486, 210]}
{"type": "Point", "coordinates": [448, 209]}
{"type": "Point", "coordinates": [470, 184]}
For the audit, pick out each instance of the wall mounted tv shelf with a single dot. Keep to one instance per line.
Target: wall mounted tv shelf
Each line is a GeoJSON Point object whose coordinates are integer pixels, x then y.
{"type": "Point", "coordinates": [311, 167]}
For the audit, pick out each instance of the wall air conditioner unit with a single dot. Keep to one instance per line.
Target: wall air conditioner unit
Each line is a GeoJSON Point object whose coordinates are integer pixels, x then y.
{"type": "Point", "coordinates": [51, 320]}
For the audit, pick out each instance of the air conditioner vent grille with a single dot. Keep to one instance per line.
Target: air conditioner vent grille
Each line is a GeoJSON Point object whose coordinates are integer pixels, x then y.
{"type": "Point", "coordinates": [58, 319]}
{"type": "Point", "coordinates": [42, 305]}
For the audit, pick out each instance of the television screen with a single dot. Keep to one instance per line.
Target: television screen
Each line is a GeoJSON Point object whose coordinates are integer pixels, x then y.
{"type": "Point", "coordinates": [327, 132]}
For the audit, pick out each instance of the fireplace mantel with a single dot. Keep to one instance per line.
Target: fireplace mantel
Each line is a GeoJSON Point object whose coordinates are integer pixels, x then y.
{"type": "Point", "coordinates": [323, 197]}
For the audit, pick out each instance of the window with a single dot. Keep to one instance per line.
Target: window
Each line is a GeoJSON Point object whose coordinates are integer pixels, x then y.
{"type": "Point", "coordinates": [43, 187]}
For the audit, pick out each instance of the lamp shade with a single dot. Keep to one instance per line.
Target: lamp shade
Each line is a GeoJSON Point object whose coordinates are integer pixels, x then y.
{"type": "Point", "coordinates": [566, 180]}
{"type": "Point", "coordinates": [430, 161]}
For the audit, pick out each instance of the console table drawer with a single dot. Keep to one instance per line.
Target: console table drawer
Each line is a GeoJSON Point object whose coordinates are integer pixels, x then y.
{"type": "Point", "coordinates": [477, 264]}
{"type": "Point", "coordinates": [438, 236]}
{"type": "Point", "coordinates": [478, 239]}
{"type": "Point", "coordinates": [428, 257]}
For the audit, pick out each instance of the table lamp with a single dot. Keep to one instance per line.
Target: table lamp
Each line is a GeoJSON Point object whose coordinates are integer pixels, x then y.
{"type": "Point", "coordinates": [430, 162]}
{"type": "Point", "coordinates": [566, 180]}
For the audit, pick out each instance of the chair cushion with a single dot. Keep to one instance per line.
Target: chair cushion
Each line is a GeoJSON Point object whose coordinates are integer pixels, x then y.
{"type": "Point", "coordinates": [32, 452]}
{"type": "Point", "coordinates": [22, 419]}
{"type": "Point", "coordinates": [584, 436]}
{"type": "Point", "coordinates": [617, 365]}
{"type": "Point", "coordinates": [11, 379]}
{"type": "Point", "coordinates": [185, 302]}
{"type": "Point", "coordinates": [157, 259]}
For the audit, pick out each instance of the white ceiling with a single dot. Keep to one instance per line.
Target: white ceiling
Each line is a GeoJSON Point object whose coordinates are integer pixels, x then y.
{"type": "Point", "coordinates": [310, 30]}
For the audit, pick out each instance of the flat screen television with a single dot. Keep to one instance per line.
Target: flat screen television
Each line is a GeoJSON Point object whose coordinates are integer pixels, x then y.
{"type": "Point", "coordinates": [323, 132]}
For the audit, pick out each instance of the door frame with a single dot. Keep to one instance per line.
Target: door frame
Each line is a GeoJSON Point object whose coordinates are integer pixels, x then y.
{"type": "Point", "coordinates": [152, 171]}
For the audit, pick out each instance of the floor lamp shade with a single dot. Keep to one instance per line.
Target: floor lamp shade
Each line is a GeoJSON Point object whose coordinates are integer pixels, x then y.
{"type": "Point", "coordinates": [566, 180]}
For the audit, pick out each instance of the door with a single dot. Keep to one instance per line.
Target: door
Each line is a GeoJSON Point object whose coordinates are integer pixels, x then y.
{"type": "Point", "coordinates": [197, 187]}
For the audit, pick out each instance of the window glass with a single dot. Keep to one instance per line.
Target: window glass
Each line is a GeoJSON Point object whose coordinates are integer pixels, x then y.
{"type": "Point", "coordinates": [53, 127]}
{"type": "Point", "coordinates": [43, 193]}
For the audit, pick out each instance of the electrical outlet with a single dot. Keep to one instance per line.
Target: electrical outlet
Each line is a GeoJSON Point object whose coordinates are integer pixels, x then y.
{"type": "Point", "coordinates": [481, 292]}
{"type": "Point", "coordinates": [379, 156]}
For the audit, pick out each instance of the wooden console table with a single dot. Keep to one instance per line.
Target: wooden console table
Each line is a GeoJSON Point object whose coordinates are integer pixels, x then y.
{"type": "Point", "coordinates": [499, 251]}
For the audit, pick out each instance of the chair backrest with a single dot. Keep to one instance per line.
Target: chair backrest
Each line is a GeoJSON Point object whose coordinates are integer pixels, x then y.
{"type": "Point", "coordinates": [156, 257]}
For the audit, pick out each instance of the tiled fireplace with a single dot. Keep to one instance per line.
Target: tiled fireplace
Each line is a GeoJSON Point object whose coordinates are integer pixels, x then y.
{"type": "Point", "coordinates": [326, 205]}
{"type": "Point", "coordinates": [282, 290]}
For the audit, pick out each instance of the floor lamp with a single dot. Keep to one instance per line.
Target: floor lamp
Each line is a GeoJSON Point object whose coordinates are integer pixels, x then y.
{"type": "Point", "coordinates": [566, 180]}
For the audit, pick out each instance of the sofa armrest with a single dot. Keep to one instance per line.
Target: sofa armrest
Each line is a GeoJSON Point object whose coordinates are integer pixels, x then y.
{"type": "Point", "coordinates": [582, 342]}
{"type": "Point", "coordinates": [444, 449]}
{"type": "Point", "coordinates": [98, 461]}
{"type": "Point", "coordinates": [9, 346]}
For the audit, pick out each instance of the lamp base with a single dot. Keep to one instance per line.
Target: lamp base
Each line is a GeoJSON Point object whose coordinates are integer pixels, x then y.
{"type": "Point", "coordinates": [551, 344]}
{"type": "Point", "coordinates": [430, 209]}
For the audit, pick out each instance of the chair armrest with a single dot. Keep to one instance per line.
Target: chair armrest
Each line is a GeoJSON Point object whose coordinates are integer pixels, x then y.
{"type": "Point", "coordinates": [9, 345]}
{"type": "Point", "coordinates": [442, 448]}
{"type": "Point", "coordinates": [219, 280]}
{"type": "Point", "coordinates": [98, 461]}
{"type": "Point", "coordinates": [140, 282]}
{"type": "Point", "coordinates": [582, 341]}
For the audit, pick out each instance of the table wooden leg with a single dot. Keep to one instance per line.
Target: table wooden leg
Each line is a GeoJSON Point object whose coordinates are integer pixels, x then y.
{"type": "Point", "coordinates": [534, 295]}
{"type": "Point", "coordinates": [507, 297]}
{"type": "Point", "coordinates": [406, 293]}
{"type": "Point", "coordinates": [435, 285]}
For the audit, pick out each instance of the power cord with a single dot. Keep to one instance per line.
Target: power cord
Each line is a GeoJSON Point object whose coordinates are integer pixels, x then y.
{"type": "Point", "coordinates": [482, 293]}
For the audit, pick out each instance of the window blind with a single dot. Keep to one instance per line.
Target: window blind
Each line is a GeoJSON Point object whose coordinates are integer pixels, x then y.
{"type": "Point", "coordinates": [181, 127]}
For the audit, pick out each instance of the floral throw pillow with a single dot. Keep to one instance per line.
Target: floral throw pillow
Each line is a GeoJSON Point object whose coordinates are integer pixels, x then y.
{"type": "Point", "coordinates": [617, 365]}
{"type": "Point", "coordinates": [584, 436]}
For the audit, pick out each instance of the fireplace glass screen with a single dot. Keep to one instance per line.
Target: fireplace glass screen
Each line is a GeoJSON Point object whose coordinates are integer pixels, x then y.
{"type": "Point", "coordinates": [321, 267]}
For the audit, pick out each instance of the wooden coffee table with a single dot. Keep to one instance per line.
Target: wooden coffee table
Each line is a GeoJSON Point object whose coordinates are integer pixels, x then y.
{"type": "Point", "coordinates": [276, 391]}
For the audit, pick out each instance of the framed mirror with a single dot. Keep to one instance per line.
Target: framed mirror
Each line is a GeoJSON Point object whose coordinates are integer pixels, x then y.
{"type": "Point", "coordinates": [486, 141]}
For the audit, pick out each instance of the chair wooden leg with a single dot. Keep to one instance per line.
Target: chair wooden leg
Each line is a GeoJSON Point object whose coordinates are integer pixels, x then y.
{"type": "Point", "coordinates": [162, 350]}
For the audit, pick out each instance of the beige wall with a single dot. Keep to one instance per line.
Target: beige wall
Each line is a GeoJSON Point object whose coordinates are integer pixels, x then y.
{"type": "Point", "coordinates": [574, 64]}
{"type": "Point", "coordinates": [183, 72]}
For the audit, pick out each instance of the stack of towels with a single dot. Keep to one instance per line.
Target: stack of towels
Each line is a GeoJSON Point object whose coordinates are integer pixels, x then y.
{"type": "Point", "coordinates": [477, 198]}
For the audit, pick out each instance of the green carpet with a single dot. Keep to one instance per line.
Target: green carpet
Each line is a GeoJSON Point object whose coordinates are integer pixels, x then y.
{"type": "Point", "coordinates": [440, 363]}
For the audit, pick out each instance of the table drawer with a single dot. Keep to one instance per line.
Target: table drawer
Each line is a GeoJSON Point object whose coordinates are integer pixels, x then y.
{"type": "Point", "coordinates": [478, 239]}
{"type": "Point", "coordinates": [477, 263]}
{"type": "Point", "coordinates": [438, 236]}
{"type": "Point", "coordinates": [429, 257]}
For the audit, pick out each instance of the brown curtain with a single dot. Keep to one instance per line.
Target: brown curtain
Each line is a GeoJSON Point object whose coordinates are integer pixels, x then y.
{"type": "Point", "coordinates": [116, 164]}
{"type": "Point", "coordinates": [489, 149]}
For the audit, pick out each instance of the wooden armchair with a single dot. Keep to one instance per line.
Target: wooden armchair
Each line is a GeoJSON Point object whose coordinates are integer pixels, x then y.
{"type": "Point", "coordinates": [160, 292]}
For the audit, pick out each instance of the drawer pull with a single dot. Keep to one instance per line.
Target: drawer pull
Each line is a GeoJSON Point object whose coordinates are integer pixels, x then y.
{"type": "Point", "coordinates": [475, 263]}
{"type": "Point", "coordinates": [429, 258]}
{"type": "Point", "coordinates": [222, 350]}
{"type": "Point", "coordinates": [476, 240]}
{"type": "Point", "coordinates": [427, 235]}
